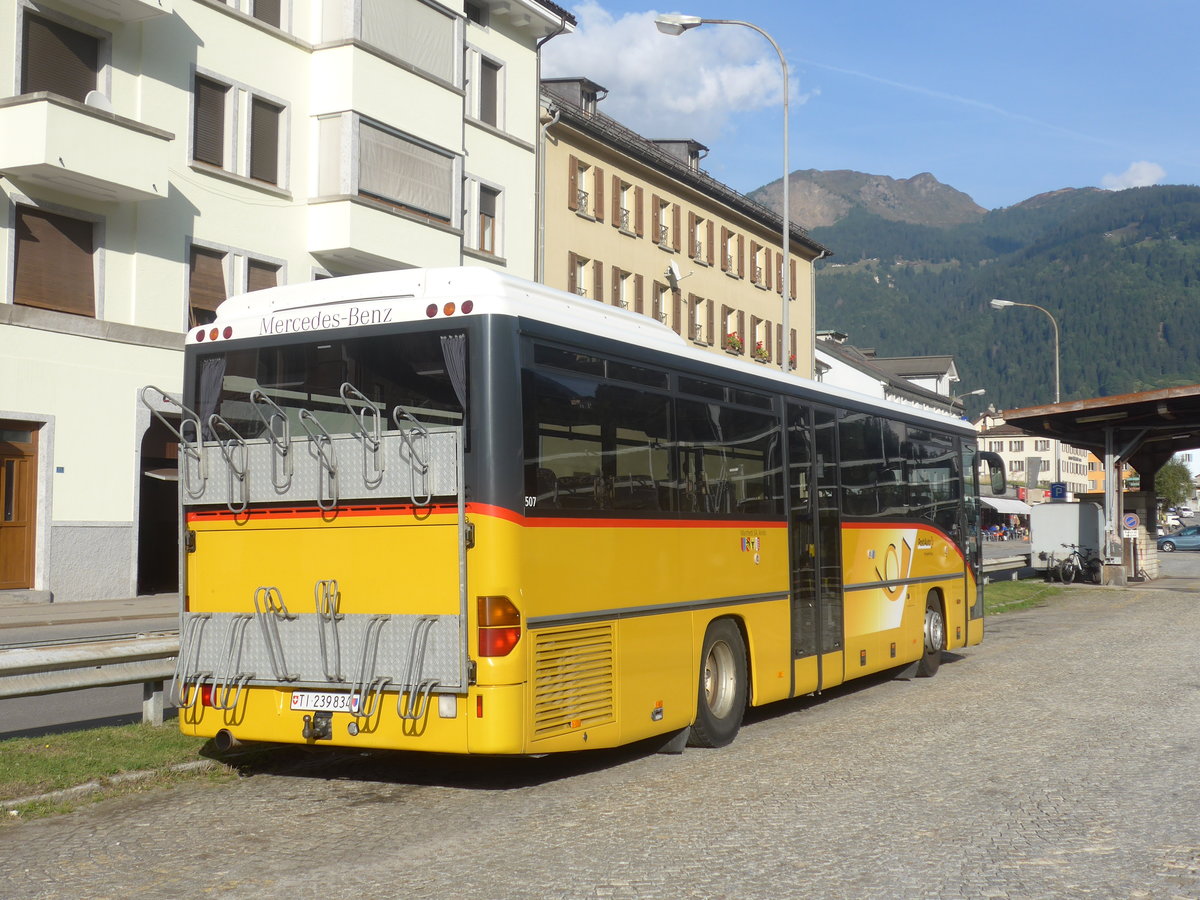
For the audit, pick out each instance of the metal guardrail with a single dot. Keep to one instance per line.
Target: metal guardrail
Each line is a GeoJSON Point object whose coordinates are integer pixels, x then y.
{"type": "Point", "coordinates": [56, 668]}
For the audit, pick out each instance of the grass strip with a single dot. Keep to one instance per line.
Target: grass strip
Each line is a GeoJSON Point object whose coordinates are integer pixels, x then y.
{"type": "Point", "coordinates": [1009, 596]}
{"type": "Point", "coordinates": [62, 770]}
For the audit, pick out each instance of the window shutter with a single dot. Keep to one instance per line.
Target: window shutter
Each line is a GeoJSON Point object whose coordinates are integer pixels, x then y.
{"type": "Point", "coordinates": [261, 275]}
{"type": "Point", "coordinates": [638, 303]}
{"type": "Point", "coordinates": [208, 122]}
{"type": "Point", "coordinates": [638, 225]}
{"type": "Point", "coordinates": [598, 280]}
{"type": "Point", "coordinates": [264, 141]}
{"type": "Point", "coordinates": [655, 213]}
{"type": "Point", "coordinates": [792, 283]}
{"type": "Point", "coordinates": [711, 258]}
{"type": "Point", "coordinates": [754, 276]}
{"type": "Point", "coordinates": [724, 249]}
{"type": "Point", "coordinates": [792, 346]}
{"type": "Point", "coordinates": [616, 202]}
{"type": "Point", "coordinates": [206, 285]}
{"type": "Point", "coordinates": [676, 223]}
{"type": "Point", "coordinates": [53, 267]}
{"type": "Point", "coordinates": [58, 59]}
{"type": "Point", "coordinates": [725, 313]}
{"type": "Point", "coordinates": [767, 267]}
{"type": "Point", "coordinates": [779, 274]}
{"type": "Point", "coordinates": [691, 235]}
{"type": "Point", "coordinates": [710, 308]}
{"type": "Point", "coordinates": [572, 272]}
{"type": "Point", "coordinates": [615, 289]}
{"type": "Point", "coordinates": [741, 256]}
{"type": "Point", "coordinates": [677, 311]}
{"type": "Point", "coordinates": [573, 184]}
{"type": "Point", "coordinates": [599, 204]}
{"type": "Point", "coordinates": [267, 11]}
{"type": "Point", "coordinates": [692, 317]}
{"type": "Point", "coordinates": [741, 327]}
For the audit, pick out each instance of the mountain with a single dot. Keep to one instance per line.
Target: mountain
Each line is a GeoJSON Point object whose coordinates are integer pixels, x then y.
{"type": "Point", "coordinates": [820, 199]}
{"type": "Point", "coordinates": [1119, 272]}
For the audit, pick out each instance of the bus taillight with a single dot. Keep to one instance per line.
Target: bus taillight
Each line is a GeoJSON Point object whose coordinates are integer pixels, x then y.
{"type": "Point", "coordinates": [206, 695]}
{"type": "Point", "coordinates": [499, 626]}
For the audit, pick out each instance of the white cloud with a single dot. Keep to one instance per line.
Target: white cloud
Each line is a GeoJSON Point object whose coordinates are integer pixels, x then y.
{"type": "Point", "coordinates": [1139, 174]}
{"type": "Point", "coordinates": [668, 87]}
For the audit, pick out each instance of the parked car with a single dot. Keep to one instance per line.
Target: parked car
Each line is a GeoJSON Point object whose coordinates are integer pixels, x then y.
{"type": "Point", "coordinates": [1170, 521]}
{"type": "Point", "coordinates": [1184, 512]}
{"type": "Point", "coordinates": [1184, 539]}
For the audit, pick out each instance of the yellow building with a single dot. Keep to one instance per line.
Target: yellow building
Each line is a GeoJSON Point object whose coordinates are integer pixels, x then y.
{"type": "Point", "coordinates": [619, 210]}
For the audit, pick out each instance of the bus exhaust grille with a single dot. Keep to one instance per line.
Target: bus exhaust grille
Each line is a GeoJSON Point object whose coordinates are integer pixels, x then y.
{"type": "Point", "coordinates": [572, 680]}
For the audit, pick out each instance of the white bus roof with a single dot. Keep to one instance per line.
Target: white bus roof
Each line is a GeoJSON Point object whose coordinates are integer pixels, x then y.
{"type": "Point", "coordinates": [381, 298]}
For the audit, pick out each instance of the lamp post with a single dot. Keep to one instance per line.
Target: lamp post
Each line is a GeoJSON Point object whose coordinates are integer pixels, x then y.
{"type": "Point", "coordinates": [1004, 304]}
{"type": "Point", "coordinates": [675, 25]}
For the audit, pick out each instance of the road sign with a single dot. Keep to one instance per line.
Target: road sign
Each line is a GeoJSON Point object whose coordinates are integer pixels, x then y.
{"type": "Point", "coordinates": [1131, 521]}
{"type": "Point", "coordinates": [1058, 490]}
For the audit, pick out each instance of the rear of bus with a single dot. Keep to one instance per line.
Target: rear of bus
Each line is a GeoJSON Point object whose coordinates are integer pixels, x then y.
{"type": "Point", "coordinates": [325, 436]}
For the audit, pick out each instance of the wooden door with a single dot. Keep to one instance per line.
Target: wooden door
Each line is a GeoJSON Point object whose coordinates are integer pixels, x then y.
{"type": "Point", "coordinates": [18, 504]}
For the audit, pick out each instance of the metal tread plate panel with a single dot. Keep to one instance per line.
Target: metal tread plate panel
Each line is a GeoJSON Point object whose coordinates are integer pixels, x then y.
{"type": "Point", "coordinates": [209, 650]}
{"type": "Point", "coordinates": [355, 473]}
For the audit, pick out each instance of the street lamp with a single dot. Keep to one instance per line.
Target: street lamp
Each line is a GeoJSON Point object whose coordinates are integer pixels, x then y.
{"type": "Point", "coordinates": [957, 397]}
{"type": "Point", "coordinates": [674, 24]}
{"type": "Point", "coordinates": [1003, 304]}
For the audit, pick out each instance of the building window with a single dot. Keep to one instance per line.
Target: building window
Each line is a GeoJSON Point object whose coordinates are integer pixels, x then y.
{"type": "Point", "coordinates": [489, 202]}
{"type": "Point", "coordinates": [58, 59]}
{"type": "Point", "coordinates": [475, 13]}
{"type": "Point", "coordinates": [661, 300]}
{"type": "Point", "coordinates": [206, 285]}
{"type": "Point", "coordinates": [269, 11]}
{"type": "Point", "coordinates": [489, 92]}
{"type": "Point", "coordinates": [417, 33]}
{"type": "Point", "coordinates": [208, 121]}
{"type": "Point", "coordinates": [264, 140]}
{"type": "Point", "coordinates": [399, 171]}
{"type": "Point", "coordinates": [662, 222]}
{"type": "Point", "coordinates": [1015, 446]}
{"type": "Point", "coordinates": [261, 275]}
{"type": "Point", "coordinates": [54, 262]}
{"type": "Point", "coordinates": [1041, 445]}
{"type": "Point", "coordinates": [1016, 465]}
{"type": "Point", "coordinates": [577, 186]}
{"type": "Point", "coordinates": [577, 274]}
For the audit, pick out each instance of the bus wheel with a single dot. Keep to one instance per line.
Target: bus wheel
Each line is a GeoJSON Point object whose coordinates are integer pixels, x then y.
{"type": "Point", "coordinates": [721, 697]}
{"type": "Point", "coordinates": [935, 638]}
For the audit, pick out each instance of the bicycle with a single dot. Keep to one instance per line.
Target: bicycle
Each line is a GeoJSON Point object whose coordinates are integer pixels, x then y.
{"type": "Point", "coordinates": [1079, 564]}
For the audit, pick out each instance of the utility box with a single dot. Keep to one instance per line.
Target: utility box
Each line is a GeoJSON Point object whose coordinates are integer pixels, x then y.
{"type": "Point", "coordinates": [1053, 524]}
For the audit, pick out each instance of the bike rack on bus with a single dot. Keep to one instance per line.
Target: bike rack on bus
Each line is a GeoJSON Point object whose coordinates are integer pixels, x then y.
{"type": "Point", "coordinates": [416, 459]}
{"type": "Point", "coordinates": [187, 664]}
{"type": "Point", "coordinates": [230, 678]}
{"type": "Point", "coordinates": [233, 448]}
{"type": "Point", "coordinates": [191, 451]}
{"type": "Point", "coordinates": [281, 442]}
{"type": "Point", "coordinates": [323, 445]}
{"type": "Point", "coordinates": [417, 693]}
{"type": "Point", "coordinates": [369, 688]}
{"type": "Point", "coordinates": [270, 613]}
{"type": "Point", "coordinates": [327, 597]}
{"type": "Point", "coordinates": [372, 438]}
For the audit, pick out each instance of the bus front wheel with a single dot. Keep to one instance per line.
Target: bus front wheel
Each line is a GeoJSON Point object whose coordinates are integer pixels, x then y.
{"type": "Point", "coordinates": [935, 638]}
{"type": "Point", "coordinates": [721, 695]}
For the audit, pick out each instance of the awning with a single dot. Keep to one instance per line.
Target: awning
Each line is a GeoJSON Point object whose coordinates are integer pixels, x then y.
{"type": "Point", "coordinates": [1004, 505]}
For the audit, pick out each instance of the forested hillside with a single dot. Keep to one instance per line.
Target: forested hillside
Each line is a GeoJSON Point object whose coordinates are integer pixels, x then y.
{"type": "Point", "coordinates": [1120, 271]}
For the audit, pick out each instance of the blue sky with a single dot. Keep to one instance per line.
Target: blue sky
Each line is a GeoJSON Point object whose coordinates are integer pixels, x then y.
{"type": "Point", "coordinates": [1001, 101]}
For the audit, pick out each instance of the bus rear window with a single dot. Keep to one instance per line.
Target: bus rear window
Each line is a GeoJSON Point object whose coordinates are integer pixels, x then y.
{"type": "Point", "coordinates": [422, 375]}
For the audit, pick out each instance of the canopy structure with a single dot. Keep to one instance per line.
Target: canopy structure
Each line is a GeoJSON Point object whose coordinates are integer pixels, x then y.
{"type": "Point", "coordinates": [1144, 430]}
{"type": "Point", "coordinates": [1005, 505]}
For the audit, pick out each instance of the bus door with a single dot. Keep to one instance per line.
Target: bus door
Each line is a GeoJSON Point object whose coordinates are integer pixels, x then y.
{"type": "Point", "coordinates": [814, 528]}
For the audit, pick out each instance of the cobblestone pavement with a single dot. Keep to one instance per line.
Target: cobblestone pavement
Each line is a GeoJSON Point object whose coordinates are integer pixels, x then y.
{"type": "Point", "coordinates": [1058, 759]}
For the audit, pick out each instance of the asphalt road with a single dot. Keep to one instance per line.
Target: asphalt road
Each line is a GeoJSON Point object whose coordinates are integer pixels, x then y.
{"type": "Point", "coordinates": [1057, 759]}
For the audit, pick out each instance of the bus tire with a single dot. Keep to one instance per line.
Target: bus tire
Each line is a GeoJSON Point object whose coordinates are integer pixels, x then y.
{"type": "Point", "coordinates": [935, 638]}
{"type": "Point", "coordinates": [722, 691]}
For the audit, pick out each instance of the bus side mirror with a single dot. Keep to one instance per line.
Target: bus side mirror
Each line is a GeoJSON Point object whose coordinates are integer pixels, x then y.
{"type": "Point", "coordinates": [995, 471]}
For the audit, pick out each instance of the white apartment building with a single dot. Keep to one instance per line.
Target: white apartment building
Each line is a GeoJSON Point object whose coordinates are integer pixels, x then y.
{"type": "Point", "coordinates": [1020, 450]}
{"type": "Point", "coordinates": [157, 156]}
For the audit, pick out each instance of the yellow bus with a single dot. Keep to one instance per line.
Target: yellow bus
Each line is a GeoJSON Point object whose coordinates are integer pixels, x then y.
{"type": "Point", "coordinates": [453, 511]}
